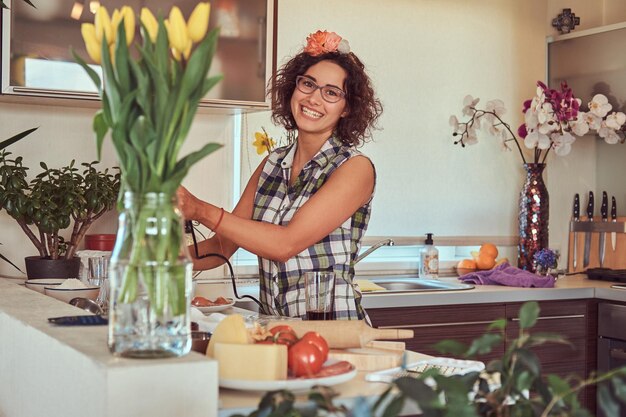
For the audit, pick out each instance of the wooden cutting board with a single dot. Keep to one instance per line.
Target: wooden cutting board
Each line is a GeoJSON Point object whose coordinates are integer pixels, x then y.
{"type": "Point", "coordinates": [375, 356]}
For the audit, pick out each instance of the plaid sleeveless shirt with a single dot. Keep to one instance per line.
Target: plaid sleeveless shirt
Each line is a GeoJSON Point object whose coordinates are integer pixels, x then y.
{"type": "Point", "coordinates": [282, 284]}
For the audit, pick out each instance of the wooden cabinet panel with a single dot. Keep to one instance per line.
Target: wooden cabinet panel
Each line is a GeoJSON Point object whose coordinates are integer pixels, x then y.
{"type": "Point", "coordinates": [462, 323]}
{"type": "Point", "coordinates": [574, 319]}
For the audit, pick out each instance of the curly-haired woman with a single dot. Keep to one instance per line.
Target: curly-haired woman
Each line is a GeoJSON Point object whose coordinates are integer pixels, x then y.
{"type": "Point", "coordinates": [307, 205]}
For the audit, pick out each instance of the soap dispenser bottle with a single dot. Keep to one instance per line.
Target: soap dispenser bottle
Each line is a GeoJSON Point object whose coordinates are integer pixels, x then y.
{"type": "Point", "coordinates": [429, 259]}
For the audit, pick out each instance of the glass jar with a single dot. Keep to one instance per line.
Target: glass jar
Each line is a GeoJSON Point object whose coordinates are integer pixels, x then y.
{"type": "Point", "coordinates": [150, 280]}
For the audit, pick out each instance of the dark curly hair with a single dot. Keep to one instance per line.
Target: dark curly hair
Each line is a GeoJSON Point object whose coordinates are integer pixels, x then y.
{"type": "Point", "coordinates": [363, 107]}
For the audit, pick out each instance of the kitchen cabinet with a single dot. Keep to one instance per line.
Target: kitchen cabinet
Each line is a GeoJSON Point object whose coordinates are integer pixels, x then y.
{"type": "Point", "coordinates": [431, 324]}
{"type": "Point", "coordinates": [574, 319]}
{"type": "Point", "coordinates": [37, 65]}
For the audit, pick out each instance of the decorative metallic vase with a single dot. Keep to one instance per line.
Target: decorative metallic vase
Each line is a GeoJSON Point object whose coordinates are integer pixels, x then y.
{"type": "Point", "coordinates": [534, 211]}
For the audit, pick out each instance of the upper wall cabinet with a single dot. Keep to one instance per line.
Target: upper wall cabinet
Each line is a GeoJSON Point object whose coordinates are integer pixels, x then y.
{"type": "Point", "coordinates": [37, 62]}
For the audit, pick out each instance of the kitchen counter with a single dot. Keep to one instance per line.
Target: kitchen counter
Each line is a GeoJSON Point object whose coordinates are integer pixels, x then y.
{"type": "Point", "coordinates": [566, 288]}
{"type": "Point", "coordinates": [63, 371]}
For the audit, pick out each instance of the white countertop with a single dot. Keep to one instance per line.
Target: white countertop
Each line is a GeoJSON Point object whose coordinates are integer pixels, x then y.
{"type": "Point", "coordinates": [63, 371]}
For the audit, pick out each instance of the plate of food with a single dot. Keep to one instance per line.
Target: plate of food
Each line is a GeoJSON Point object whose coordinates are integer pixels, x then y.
{"type": "Point", "coordinates": [332, 373]}
{"type": "Point", "coordinates": [206, 305]}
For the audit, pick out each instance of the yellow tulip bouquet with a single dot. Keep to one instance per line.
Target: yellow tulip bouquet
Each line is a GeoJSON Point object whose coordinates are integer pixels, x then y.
{"type": "Point", "coordinates": [149, 99]}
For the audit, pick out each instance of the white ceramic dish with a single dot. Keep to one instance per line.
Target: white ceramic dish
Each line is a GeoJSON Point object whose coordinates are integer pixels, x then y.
{"type": "Point", "coordinates": [39, 284]}
{"type": "Point", "coordinates": [214, 309]}
{"type": "Point", "coordinates": [296, 384]}
{"type": "Point", "coordinates": [66, 294]}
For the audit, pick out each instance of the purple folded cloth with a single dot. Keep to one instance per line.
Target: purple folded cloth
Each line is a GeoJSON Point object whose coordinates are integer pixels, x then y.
{"type": "Point", "coordinates": [505, 274]}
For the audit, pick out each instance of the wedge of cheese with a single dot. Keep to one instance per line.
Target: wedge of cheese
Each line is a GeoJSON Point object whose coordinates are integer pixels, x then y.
{"type": "Point", "coordinates": [253, 362]}
{"type": "Point", "coordinates": [368, 286]}
{"type": "Point", "coordinates": [232, 329]}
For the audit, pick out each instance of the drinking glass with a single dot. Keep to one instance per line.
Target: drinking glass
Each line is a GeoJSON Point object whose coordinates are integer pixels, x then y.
{"type": "Point", "coordinates": [319, 291]}
{"type": "Point", "coordinates": [98, 275]}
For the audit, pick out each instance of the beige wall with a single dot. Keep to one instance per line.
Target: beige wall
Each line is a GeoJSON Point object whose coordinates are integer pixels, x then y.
{"type": "Point", "coordinates": [424, 57]}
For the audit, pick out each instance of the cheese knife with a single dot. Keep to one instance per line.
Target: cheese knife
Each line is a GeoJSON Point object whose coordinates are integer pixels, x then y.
{"type": "Point", "coordinates": [604, 211]}
{"type": "Point", "coordinates": [587, 249]}
{"type": "Point", "coordinates": [576, 215]}
{"type": "Point", "coordinates": [614, 220]}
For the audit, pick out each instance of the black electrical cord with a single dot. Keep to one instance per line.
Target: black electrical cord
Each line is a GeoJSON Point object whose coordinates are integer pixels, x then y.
{"type": "Point", "coordinates": [190, 229]}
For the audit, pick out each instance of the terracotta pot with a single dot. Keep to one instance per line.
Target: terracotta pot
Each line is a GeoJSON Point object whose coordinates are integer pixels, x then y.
{"type": "Point", "coordinates": [37, 267]}
{"type": "Point", "coordinates": [100, 242]}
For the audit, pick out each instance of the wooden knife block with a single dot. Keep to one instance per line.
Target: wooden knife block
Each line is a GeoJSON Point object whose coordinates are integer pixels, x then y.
{"type": "Point", "coordinates": [612, 259]}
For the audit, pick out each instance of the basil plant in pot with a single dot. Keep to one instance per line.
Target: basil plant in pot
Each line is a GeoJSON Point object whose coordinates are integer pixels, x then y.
{"type": "Point", "coordinates": [55, 200]}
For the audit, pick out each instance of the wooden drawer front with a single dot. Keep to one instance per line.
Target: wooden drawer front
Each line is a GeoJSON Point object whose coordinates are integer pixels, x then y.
{"type": "Point", "coordinates": [425, 338]}
{"type": "Point", "coordinates": [413, 316]}
{"type": "Point", "coordinates": [552, 308]}
{"type": "Point", "coordinates": [562, 360]}
{"type": "Point", "coordinates": [569, 326]}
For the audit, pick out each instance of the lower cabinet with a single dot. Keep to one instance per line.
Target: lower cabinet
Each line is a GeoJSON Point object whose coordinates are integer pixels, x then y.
{"type": "Point", "coordinates": [576, 320]}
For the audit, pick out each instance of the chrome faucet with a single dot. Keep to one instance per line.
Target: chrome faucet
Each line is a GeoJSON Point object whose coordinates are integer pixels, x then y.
{"type": "Point", "coordinates": [384, 242]}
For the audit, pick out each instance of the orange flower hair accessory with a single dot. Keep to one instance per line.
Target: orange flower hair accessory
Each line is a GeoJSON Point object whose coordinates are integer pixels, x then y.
{"type": "Point", "coordinates": [322, 42]}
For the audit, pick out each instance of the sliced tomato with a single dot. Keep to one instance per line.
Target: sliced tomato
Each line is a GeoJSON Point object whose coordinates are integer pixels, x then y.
{"type": "Point", "coordinates": [305, 359]}
{"type": "Point", "coordinates": [318, 341]}
{"type": "Point", "coordinates": [281, 328]}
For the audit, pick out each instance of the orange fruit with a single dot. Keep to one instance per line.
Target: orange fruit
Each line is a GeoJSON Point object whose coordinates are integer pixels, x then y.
{"type": "Point", "coordinates": [466, 264]}
{"type": "Point", "coordinates": [488, 249]}
{"type": "Point", "coordinates": [485, 261]}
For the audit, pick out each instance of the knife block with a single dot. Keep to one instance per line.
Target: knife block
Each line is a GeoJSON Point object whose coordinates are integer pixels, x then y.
{"type": "Point", "coordinates": [612, 259]}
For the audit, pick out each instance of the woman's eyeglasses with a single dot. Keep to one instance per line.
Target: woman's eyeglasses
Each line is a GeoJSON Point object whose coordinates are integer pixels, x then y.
{"type": "Point", "coordinates": [330, 94]}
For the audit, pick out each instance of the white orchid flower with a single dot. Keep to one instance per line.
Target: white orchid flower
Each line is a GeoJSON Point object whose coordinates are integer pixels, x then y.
{"type": "Point", "coordinates": [469, 103]}
{"type": "Point", "coordinates": [536, 139]}
{"type": "Point", "coordinates": [530, 119]}
{"type": "Point", "coordinates": [562, 143]}
{"type": "Point", "coordinates": [615, 120]}
{"type": "Point", "coordinates": [599, 105]}
{"type": "Point", "coordinates": [545, 114]}
{"type": "Point", "coordinates": [471, 138]}
{"type": "Point", "coordinates": [496, 130]}
{"type": "Point", "coordinates": [593, 120]}
{"type": "Point", "coordinates": [496, 106]}
{"type": "Point", "coordinates": [503, 136]}
{"type": "Point", "coordinates": [580, 126]}
{"type": "Point", "coordinates": [454, 122]}
{"type": "Point", "coordinates": [609, 135]}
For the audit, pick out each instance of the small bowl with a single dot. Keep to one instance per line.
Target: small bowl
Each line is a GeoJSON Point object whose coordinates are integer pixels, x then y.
{"type": "Point", "coordinates": [200, 341]}
{"type": "Point", "coordinates": [66, 294]}
{"type": "Point", "coordinates": [39, 284]}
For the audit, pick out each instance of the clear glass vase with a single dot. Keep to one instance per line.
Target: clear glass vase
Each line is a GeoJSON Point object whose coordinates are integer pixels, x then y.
{"type": "Point", "coordinates": [150, 280]}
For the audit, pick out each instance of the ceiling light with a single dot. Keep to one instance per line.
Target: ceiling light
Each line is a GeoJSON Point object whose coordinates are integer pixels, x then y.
{"type": "Point", "coordinates": [93, 6]}
{"type": "Point", "coordinates": [77, 10]}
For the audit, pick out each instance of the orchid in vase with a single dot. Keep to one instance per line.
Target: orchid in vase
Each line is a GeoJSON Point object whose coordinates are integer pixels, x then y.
{"type": "Point", "coordinates": [149, 100]}
{"type": "Point", "coordinates": [552, 119]}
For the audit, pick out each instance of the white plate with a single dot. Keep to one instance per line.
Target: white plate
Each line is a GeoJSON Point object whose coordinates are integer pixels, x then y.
{"type": "Point", "coordinates": [213, 309]}
{"type": "Point", "coordinates": [296, 384]}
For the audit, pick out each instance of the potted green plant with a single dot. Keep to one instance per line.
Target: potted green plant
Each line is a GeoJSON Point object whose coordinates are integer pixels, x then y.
{"type": "Point", "coordinates": [55, 200]}
{"type": "Point", "coordinates": [3, 145]}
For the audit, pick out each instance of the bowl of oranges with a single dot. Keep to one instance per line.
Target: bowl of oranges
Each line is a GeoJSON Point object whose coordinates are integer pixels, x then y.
{"type": "Point", "coordinates": [486, 258]}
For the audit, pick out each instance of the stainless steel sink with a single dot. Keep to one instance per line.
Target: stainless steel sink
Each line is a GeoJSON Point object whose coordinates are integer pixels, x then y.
{"type": "Point", "coordinates": [403, 284]}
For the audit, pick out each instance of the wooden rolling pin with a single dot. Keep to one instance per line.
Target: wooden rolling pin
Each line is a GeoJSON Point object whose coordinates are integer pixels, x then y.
{"type": "Point", "coordinates": [343, 334]}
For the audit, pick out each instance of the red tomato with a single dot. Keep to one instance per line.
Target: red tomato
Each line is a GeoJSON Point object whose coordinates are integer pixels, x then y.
{"type": "Point", "coordinates": [318, 341]}
{"type": "Point", "coordinates": [283, 335]}
{"type": "Point", "coordinates": [281, 328]}
{"type": "Point", "coordinates": [305, 359]}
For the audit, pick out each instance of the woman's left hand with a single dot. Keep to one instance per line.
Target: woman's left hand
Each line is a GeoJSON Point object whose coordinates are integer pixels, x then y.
{"type": "Point", "coordinates": [187, 203]}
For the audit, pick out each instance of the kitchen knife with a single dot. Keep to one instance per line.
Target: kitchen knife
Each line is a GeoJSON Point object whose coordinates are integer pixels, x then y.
{"type": "Point", "coordinates": [576, 215]}
{"type": "Point", "coordinates": [588, 233]}
{"type": "Point", "coordinates": [613, 219]}
{"type": "Point", "coordinates": [604, 211]}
